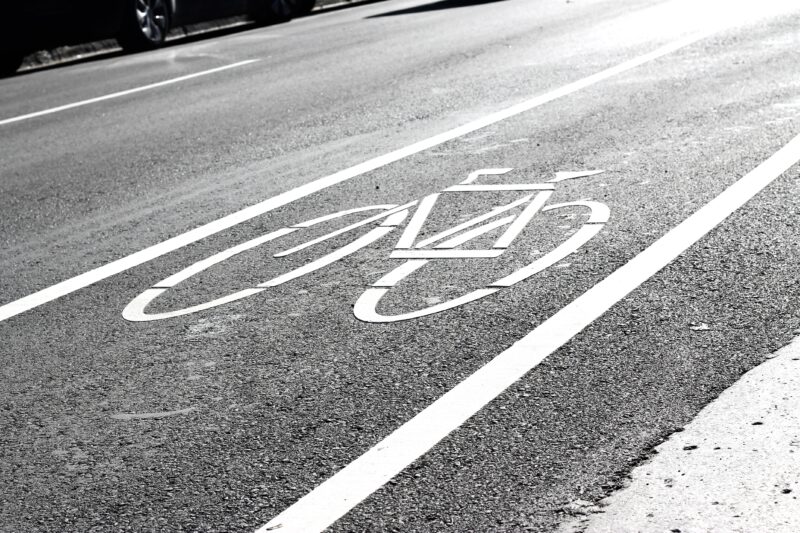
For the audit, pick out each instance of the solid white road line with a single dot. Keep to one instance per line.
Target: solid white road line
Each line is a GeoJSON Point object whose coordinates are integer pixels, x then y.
{"type": "Point", "coordinates": [335, 497]}
{"type": "Point", "coordinates": [127, 92]}
{"type": "Point", "coordinates": [120, 265]}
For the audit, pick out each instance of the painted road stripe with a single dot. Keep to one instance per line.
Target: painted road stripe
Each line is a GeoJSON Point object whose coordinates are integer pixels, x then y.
{"type": "Point", "coordinates": [120, 265]}
{"type": "Point", "coordinates": [127, 92]}
{"type": "Point", "coordinates": [335, 497]}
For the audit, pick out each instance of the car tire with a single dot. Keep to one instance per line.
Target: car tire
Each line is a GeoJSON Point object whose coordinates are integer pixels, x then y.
{"type": "Point", "coordinates": [10, 61]}
{"type": "Point", "coordinates": [145, 24]}
{"type": "Point", "coordinates": [273, 11]}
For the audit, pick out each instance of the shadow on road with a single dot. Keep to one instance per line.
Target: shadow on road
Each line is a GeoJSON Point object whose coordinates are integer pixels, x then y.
{"type": "Point", "coordinates": [99, 50]}
{"type": "Point", "coordinates": [107, 49]}
{"type": "Point", "coordinates": [435, 6]}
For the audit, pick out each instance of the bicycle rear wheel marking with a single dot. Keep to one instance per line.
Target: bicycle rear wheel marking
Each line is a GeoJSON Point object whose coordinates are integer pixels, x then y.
{"type": "Point", "coordinates": [135, 311]}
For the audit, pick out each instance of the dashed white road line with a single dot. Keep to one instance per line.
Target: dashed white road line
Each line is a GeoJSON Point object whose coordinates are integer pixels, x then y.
{"type": "Point", "coordinates": [339, 494]}
{"type": "Point", "coordinates": [127, 92]}
{"type": "Point", "coordinates": [120, 265]}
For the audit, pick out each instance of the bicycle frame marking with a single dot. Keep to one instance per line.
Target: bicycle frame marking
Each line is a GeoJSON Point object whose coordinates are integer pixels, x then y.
{"type": "Point", "coordinates": [441, 246]}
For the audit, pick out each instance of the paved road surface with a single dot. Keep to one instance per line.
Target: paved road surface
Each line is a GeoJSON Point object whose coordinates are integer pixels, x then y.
{"type": "Point", "coordinates": [221, 419]}
{"type": "Point", "coordinates": [732, 469]}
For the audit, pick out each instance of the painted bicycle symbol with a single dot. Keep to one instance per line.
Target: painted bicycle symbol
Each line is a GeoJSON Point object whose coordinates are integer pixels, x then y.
{"type": "Point", "coordinates": [443, 246]}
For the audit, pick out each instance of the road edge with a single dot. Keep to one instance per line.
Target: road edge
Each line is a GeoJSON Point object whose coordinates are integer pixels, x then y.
{"type": "Point", "coordinates": [735, 467]}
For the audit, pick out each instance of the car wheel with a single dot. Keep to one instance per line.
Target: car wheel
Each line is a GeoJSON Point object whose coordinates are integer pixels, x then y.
{"type": "Point", "coordinates": [145, 24]}
{"type": "Point", "coordinates": [10, 62]}
{"type": "Point", "coordinates": [272, 11]}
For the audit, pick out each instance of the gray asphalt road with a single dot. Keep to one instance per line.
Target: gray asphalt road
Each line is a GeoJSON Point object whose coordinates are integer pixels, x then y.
{"type": "Point", "coordinates": [219, 420]}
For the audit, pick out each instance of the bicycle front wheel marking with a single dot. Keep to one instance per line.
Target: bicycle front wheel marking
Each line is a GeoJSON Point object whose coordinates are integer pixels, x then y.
{"type": "Point", "coordinates": [365, 308]}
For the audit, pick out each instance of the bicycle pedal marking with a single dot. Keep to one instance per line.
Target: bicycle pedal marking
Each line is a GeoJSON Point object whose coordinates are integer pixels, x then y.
{"type": "Point", "coordinates": [417, 253]}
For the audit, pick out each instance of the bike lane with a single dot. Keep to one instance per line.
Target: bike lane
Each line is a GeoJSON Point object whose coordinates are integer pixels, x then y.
{"type": "Point", "coordinates": [219, 420]}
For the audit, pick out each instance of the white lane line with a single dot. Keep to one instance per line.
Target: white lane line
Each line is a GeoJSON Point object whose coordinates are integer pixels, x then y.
{"type": "Point", "coordinates": [111, 96]}
{"type": "Point", "coordinates": [335, 497]}
{"type": "Point", "coordinates": [120, 265]}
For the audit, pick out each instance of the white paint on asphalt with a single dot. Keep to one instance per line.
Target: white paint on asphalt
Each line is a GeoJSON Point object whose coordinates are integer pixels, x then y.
{"type": "Point", "coordinates": [400, 273]}
{"type": "Point", "coordinates": [407, 239]}
{"type": "Point", "coordinates": [219, 257]}
{"type": "Point", "coordinates": [366, 306]}
{"type": "Point", "coordinates": [144, 416]}
{"type": "Point", "coordinates": [339, 494]}
{"type": "Point", "coordinates": [485, 172]}
{"type": "Point", "coordinates": [127, 92]}
{"type": "Point", "coordinates": [598, 212]}
{"type": "Point", "coordinates": [387, 210]}
{"type": "Point", "coordinates": [734, 468]}
{"type": "Point", "coordinates": [521, 222]}
{"type": "Point", "coordinates": [501, 187]}
{"type": "Point", "coordinates": [563, 176]}
{"type": "Point", "coordinates": [446, 254]}
{"type": "Point", "coordinates": [121, 265]}
{"type": "Point", "coordinates": [414, 226]}
{"type": "Point", "coordinates": [340, 253]}
{"type": "Point", "coordinates": [582, 236]}
{"type": "Point", "coordinates": [390, 217]}
{"type": "Point", "coordinates": [469, 223]}
{"type": "Point", "coordinates": [135, 310]}
{"type": "Point", "coordinates": [474, 233]}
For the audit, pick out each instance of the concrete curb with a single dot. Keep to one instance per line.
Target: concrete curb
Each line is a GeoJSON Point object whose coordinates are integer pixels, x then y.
{"type": "Point", "coordinates": [734, 468]}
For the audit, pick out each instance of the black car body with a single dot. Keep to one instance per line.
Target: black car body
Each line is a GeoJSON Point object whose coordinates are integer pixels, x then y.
{"type": "Point", "coordinates": [33, 25]}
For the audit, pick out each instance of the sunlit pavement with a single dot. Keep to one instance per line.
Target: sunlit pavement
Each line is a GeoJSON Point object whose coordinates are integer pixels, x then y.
{"type": "Point", "coordinates": [408, 266]}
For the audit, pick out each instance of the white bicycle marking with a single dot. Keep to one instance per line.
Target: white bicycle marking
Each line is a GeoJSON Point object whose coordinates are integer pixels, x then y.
{"type": "Point", "coordinates": [391, 209]}
{"type": "Point", "coordinates": [477, 220]}
{"type": "Point", "coordinates": [474, 233]}
{"type": "Point", "coordinates": [417, 254]}
{"type": "Point", "coordinates": [332, 257]}
{"type": "Point", "coordinates": [563, 176]}
{"type": "Point", "coordinates": [365, 308]}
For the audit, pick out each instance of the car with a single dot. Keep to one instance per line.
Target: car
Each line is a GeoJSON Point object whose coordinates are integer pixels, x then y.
{"type": "Point", "coordinates": [32, 25]}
